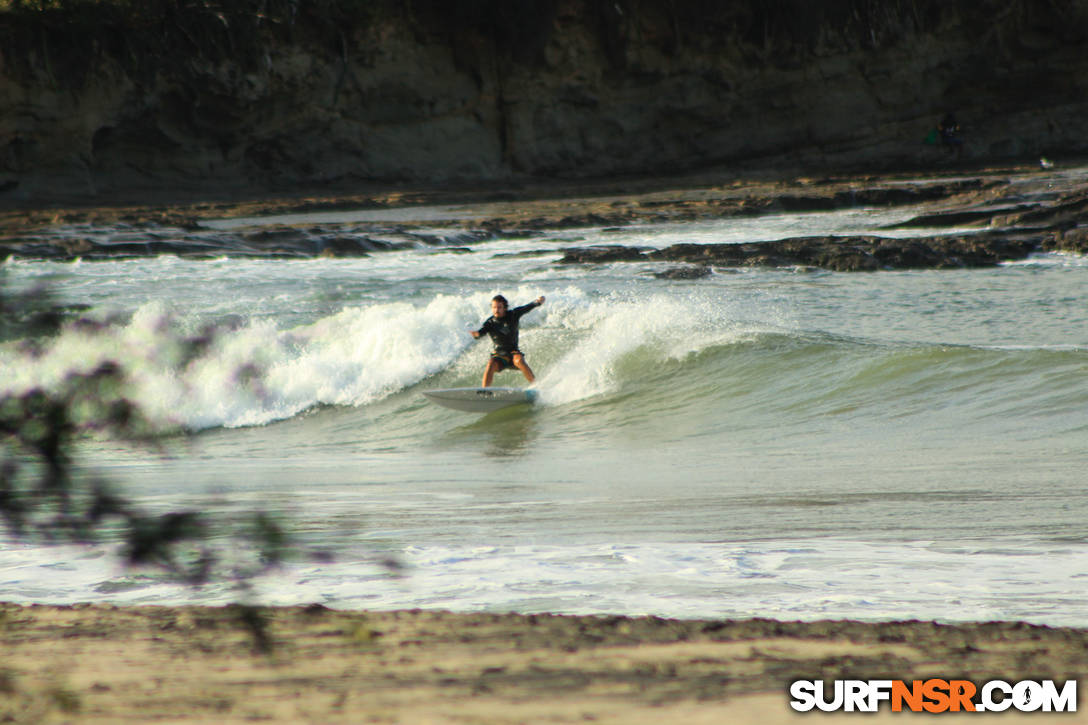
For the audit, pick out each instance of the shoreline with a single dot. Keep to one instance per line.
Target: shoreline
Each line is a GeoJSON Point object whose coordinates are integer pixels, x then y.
{"type": "Point", "coordinates": [105, 663]}
{"type": "Point", "coordinates": [162, 204]}
{"type": "Point", "coordinates": [964, 219]}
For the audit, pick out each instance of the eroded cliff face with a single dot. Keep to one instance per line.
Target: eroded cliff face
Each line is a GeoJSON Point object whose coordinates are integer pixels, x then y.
{"type": "Point", "coordinates": [582, 88]}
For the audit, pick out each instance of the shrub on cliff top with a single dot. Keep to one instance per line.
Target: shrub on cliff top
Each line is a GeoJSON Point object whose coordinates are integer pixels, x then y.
{"type": "Point", "coordinates": [68, 36]}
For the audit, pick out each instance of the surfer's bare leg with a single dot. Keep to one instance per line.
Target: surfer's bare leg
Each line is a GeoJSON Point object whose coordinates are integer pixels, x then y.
{"type": "Point", "coordinates": [520, 364]}
{"type": "Point", "coordinates": [489, 372]}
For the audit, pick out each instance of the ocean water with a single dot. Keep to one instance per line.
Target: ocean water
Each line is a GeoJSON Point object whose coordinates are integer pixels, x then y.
{"type": "Point", "coordinates": [785, 443]}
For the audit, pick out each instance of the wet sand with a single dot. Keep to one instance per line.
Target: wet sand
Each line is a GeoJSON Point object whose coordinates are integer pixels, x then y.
{"type": "Point", "coordinates": [106, 664]}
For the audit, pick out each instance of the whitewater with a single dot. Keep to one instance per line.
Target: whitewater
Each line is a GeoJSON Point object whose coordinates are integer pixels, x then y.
{"type": "Point", "coordinates": [788, 443]}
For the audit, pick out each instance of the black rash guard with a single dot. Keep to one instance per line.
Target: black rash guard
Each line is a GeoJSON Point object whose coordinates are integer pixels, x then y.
{"type": "Point", "coordinates": [504, 330]}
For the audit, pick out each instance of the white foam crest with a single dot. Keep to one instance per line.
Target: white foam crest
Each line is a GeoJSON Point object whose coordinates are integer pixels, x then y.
{"type": "Point", "coordinates": [611, 329]}
{"type": "Point", "coordinates": [354, 357]}
{"type": "Point", "coordinates": [257, 373]}
{"type": "Point", "coordinates": [145, 342]}
{"type": "Point", "coordinates": [360, 355]}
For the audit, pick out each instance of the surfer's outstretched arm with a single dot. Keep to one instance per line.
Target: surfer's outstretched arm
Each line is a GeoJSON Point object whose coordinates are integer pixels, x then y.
{"type": "Point", "coordinates": [517, 312]}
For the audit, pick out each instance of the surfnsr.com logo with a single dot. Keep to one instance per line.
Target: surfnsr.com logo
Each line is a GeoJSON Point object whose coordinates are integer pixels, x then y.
{"type": "Point", "coordinates": [933, 696]}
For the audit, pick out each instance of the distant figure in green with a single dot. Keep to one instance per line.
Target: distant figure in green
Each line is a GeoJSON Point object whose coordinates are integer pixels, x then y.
{"type": "Point", "coordinates": [949, 130]}
{"type": "Point", "coordinates": [502, 326]}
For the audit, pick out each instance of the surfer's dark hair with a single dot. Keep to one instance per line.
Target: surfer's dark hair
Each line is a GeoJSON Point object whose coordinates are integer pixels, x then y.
{"type": "Point", "coordinates": [500, 298]}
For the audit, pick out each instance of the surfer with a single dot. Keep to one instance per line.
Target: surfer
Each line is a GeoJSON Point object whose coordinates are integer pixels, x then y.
{"type": "Point", "coordinates": [502, 326]}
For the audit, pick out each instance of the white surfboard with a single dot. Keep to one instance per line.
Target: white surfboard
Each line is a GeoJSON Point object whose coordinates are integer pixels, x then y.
{"type": "Point", "coordinates": [480, 400]}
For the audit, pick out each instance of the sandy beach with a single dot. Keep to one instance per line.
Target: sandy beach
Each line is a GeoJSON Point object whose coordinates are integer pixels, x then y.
{"type": "Point", "coordinates": [107, 664]}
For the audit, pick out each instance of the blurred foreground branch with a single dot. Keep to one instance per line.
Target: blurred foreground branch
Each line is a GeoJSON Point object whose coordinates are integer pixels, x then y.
{"type": "Point", "coordinates": [46, 498]}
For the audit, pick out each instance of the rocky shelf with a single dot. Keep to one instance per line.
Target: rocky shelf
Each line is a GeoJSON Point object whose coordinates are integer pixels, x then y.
{"type": "Point", "coordinates": [978, 220]}
{"type": "Point", "coordinates": [843, 254]}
